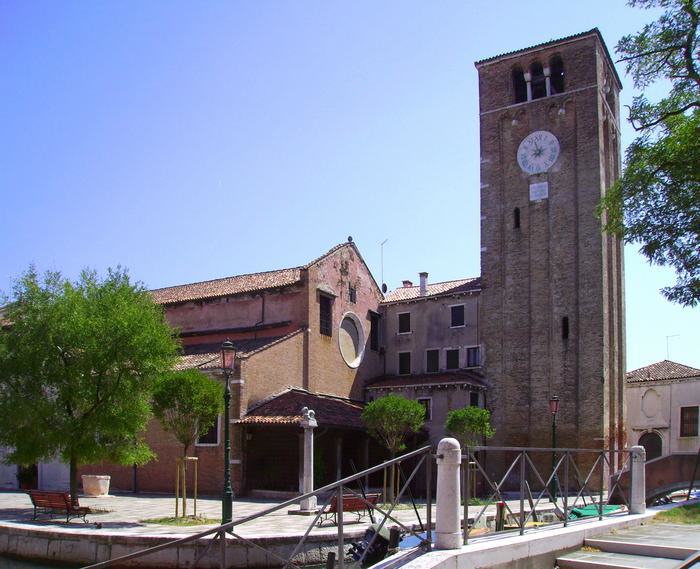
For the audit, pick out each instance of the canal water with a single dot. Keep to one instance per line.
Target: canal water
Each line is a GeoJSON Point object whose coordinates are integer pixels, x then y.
{"type": "Point", "coordinates": [9, 563]}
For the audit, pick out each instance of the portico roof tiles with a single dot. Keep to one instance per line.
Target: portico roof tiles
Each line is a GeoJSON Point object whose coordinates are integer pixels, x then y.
{"type": "Point", "coordinates": [285, 409]}
{"type": "Point", "coordinates": [470, 377]}
{"type": "Point", "coordinates": [664, 369]}
{"type": "Point", "coordinates": [433, 289]}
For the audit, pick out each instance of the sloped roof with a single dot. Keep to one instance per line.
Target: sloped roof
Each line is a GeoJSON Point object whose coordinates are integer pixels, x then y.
{"type": "Point", "coordinates": [208, 356]}
{"type": "Point", "coordinates": [468, 377]}
{"type": "Point", "coordinates": [227, 286]}
{"type": "Point", "coordinates": [659, 371]}
{"type": "Point", "coordinates": [433, 289]}
{"type": "Point", "coordinates": [285, 409]}
{"type": "Point", "coordinates": [239, 284]}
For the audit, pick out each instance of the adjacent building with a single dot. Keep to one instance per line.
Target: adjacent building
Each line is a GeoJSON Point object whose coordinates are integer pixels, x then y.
{"type": "Point", "coordinates": [662, 408]}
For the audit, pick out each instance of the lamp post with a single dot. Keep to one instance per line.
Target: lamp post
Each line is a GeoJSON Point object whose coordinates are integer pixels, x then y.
{"type": "Point", "coordinates": [227, 357]}
{"type": "Point", "coordinates": [554, 409]}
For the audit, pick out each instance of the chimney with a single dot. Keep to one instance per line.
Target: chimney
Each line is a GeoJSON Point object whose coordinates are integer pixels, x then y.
{"type": "Point", "coordinates": [423, 283]}
{"type": "Point", "coordinates": [407, 284]}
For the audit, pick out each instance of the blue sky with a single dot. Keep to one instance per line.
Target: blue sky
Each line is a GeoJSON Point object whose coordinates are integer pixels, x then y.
{"type": "Point", "coordinates": [195, 140]}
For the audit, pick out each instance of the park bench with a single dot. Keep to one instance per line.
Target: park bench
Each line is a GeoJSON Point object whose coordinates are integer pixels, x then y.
{"type": "Point", "coordinates": [56, 503]}
{"type": "Point", "coordinates": [351, 503]}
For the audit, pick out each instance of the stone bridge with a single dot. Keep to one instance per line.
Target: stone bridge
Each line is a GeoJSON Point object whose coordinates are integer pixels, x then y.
{"type": "Point", "coordinates": [667, 474]}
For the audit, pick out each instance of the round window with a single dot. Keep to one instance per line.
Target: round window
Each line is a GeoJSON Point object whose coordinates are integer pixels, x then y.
{"type": "Point", "coordinates": [351, 339]}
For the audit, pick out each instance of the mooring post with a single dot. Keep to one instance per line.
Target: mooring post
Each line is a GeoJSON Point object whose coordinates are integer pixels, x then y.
{"type": "Point", "coordinates": [638, 456]}
{"type": "Point", "coordinates": [447, 531]}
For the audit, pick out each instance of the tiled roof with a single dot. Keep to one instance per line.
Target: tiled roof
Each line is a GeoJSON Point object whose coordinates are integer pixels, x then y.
{"type": "Point", "coordinates": [242, 346]}
{"type": "Point", "coordinates": [211, 360]}
{"type": "Point", "coordinates": [239, 284]}
{"type": "Point", "coordinates": [664, 369]}
{"type": "Point", "coordinates": [227, 286]}
{"type": "Point", "coordinates": [595, 31]}
{"type": "Point", "coordinates": [470, 377]}
{"type": "Point", "coordinates": [285, 409]}
{"type": "Point", "coordinates": [433, 289]}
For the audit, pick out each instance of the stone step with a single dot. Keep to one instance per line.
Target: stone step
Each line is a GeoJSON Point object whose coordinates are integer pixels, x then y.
{"type": "Point", "coordinates": [604, 560]}
{"type": "Point", "coordinates": [638, 547]}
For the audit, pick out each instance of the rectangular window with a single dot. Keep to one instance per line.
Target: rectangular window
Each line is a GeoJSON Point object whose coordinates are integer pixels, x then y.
{"type": "Point", "coordinates": [374, 332]}
{"type": "Point", "coordinates": [427, 403]}
{"type": "Point", "coordinates": [473, 357]}
{"type": "Point", "coordinates": [457, 316]}
{"type": "Point", "coordinates": [326, 315]}
{"type": "Point", "coordinates": [352, 294]}
{"type": "Point", "coordinates": [405, 323]}
{"type": "Point", "coordinates": [689, 421]}
{"type": "Point", "coordinates": [452, 359]}
{"type": "Point", "coordinates": [432, 361]}
{"type": "Point", "coordinates": [474, 398]}
{"type": "Point", "coordinates": [404, 363]}
{"type": "Point", "coordinates": [211, 437]}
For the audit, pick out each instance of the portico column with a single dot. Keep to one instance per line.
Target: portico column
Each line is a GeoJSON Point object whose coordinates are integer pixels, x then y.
{"type": "Point", "coordinates": [528, 82]}
{"type": "Point", "coordinates": [308, 423]}
{"type": "Point", "coordinates": [548, 81]}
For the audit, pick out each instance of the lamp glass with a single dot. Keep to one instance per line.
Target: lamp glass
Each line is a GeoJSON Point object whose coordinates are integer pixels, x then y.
{"type": "Point", "coordinates": [554, 405]}
{"type": "Point", "coordinates": [227, 353]}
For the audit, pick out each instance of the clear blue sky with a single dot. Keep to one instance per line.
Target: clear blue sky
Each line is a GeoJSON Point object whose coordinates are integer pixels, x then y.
{"type": "Point", "coordinates": [189, 141]}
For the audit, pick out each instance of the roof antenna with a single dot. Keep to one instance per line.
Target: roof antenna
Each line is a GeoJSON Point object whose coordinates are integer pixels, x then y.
{"type": "Point", "coordinates": [381, 246]}
{"type": "Point", "coordinates": [667, 337]}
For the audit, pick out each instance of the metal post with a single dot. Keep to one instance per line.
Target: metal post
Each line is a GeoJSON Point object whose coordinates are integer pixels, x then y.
{"type": "Point", "coordinates": [341, 543]}
{"type": "Point", "coordinates": [222, 550]}
{"type": "Point", "coordinates": [466, 477]}
{"type": "Point", "coordinates": [227, 498]}
{"type": "Point", "coordinates": [555, 482]}
{"type": "Point", "coordinates": [600, 482]}
{"type": "Point", "coordinates": [522, 493]}
{"type": "Point", "coordinates": [429, 496]}
{"type": "Point", "coordinates": [567, 456]}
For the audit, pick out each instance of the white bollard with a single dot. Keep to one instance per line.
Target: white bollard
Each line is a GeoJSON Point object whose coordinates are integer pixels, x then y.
{"type": "Point", "coordinates": [447, 503]}
{"type": "Point", "coordinates": [638, 456]}
{"type": "Point", "coordinates": [308, 423]}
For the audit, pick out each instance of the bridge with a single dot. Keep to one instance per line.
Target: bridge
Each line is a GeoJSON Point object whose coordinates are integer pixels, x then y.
{"type": "Point", "coordinates": [667, 474]}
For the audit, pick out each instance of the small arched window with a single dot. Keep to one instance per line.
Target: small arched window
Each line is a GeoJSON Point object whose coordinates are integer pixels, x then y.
{"type": "Point", "coordinates": [516, 218]}
{"type": "Point", "coordinates": [556, 69]}
{"type": "Point", "coordinates": [539, 87]}
{"type": "Point", "coordinates": [519, 85]}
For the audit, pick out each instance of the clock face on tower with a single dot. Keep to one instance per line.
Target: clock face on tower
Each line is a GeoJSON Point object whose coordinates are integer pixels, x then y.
{"type": "Point", "coordinates": [538, 151]}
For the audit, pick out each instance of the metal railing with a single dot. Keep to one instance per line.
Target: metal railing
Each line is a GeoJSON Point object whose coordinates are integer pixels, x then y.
{"type": "Point", "coordinates": [227, 532]}
{"type": "Point", "coordinates": [575, 488]}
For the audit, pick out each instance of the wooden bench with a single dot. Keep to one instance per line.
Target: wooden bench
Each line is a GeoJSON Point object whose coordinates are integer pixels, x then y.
{"type": "Point", "coordinates": [51, 503]}
{"type": "Point", "coordinates": [351, 503]}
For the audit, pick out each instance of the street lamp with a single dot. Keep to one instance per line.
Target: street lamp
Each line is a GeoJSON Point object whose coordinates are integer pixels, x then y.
{"type": "Point", "coordinates": [227, 357]}
{"type": "Point", "coordinates": [554, 409]}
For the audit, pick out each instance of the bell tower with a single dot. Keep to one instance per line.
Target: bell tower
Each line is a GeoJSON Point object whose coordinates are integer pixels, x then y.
{"type": "Point", "coordinates": [552, 310]}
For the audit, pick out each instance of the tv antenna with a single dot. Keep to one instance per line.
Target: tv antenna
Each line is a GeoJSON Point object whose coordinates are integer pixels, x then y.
{"type": "Point", "coordinates": [381, 247]}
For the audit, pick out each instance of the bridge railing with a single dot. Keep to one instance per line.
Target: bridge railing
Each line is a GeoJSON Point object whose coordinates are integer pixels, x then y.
{"type": "Point", "coordinates": [227, 535]}
{"type": "Point", "coordinates": [573, 482]}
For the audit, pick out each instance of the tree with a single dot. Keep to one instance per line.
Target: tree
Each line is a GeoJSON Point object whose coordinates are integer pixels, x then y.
{"type": "Point", "coordinates": [187, 404]}
{"type": "Point", "coordinates": [78, 361]}
{"type": "Point", "coordinates": [391, 419]}
{"type": "Point", "coordinates": [656, 202]}
{"type": "Point", "coordinates": [469, 425]}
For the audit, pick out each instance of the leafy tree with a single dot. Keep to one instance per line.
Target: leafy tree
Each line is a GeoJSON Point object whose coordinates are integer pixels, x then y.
{"type": "Point", "coordinates": [657, 200]}
{"type": "Point", "coordinates": [469, 425]}
{"type": "Point", "coordinates": [187, 404]}
{"type": "Point", "coordinates": [391, 419]}
{"type": "Point", "coordinates": [78, 361]}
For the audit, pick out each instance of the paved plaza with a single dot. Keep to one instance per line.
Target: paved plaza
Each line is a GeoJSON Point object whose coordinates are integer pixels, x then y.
{"type": "Point", "coordinates": [125, 514]}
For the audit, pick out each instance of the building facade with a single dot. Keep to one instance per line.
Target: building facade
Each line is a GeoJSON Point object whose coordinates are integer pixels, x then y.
{"type": "Point", "coordinates": [432, 348]}
{"type": "Point", "coordinates": [552, 308]}
{"type": "Point", "coordinates": [663, 400]}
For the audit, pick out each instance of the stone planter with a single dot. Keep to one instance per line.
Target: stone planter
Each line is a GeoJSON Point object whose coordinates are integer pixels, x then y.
{"type": "Point", "coordinates": [95, 485]}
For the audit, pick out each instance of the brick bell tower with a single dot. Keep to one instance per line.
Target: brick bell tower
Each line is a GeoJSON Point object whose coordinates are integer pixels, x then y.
{"type": "Point", "coordinates": [552, 309]}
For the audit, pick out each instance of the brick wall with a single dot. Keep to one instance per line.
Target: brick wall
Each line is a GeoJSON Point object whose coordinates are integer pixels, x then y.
{"type": "Point", "coordinates": [557, 263]}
